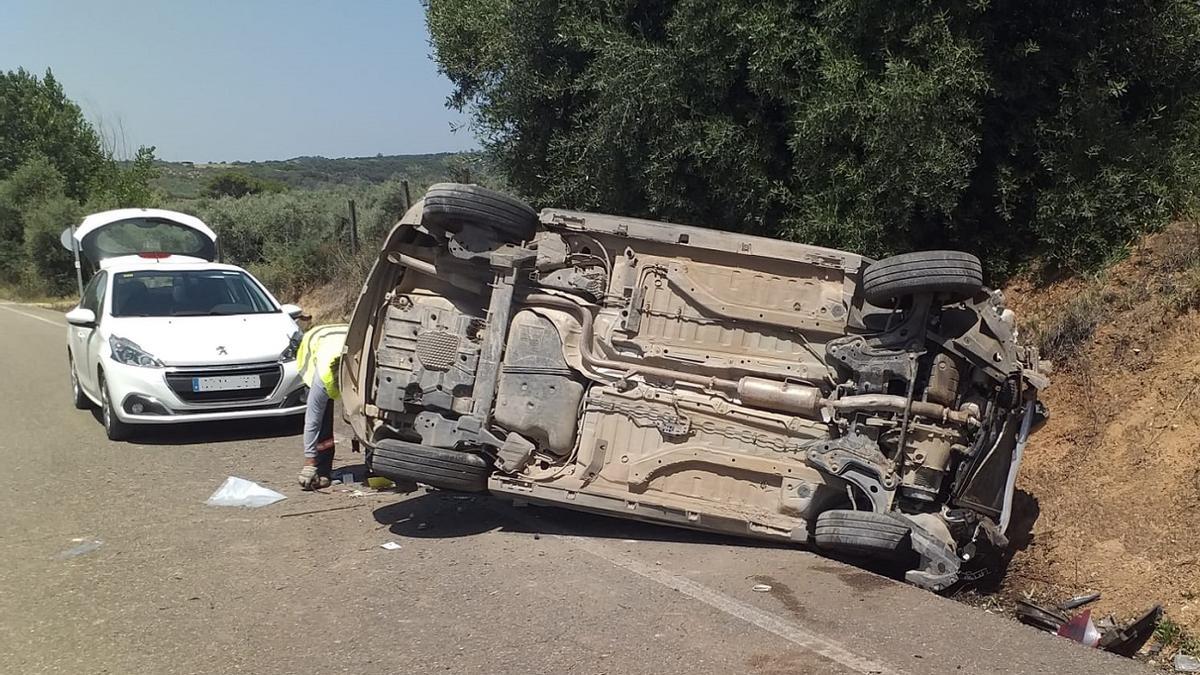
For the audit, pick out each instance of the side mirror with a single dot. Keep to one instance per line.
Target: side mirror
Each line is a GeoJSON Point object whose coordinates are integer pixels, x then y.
{"type": "Point", "coordinates": [293, 311]}
{"type": "Point", "coordinates": [84, 318]}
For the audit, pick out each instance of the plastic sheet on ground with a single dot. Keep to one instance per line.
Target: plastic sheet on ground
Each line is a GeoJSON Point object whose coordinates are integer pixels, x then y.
{"type": "Point", "coordinates": [241, 492]}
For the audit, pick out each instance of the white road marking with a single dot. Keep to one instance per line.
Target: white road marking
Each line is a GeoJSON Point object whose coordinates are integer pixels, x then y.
{"type": "Point", "coordinates": [32, 316]}
{"type": "Point", "coordinates": [772, 623]}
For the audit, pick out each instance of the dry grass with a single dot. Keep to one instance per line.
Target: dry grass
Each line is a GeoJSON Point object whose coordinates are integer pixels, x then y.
{"type": "Point", "coordinates": [26, 296]}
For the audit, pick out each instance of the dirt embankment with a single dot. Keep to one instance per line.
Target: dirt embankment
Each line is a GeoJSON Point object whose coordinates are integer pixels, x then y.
{"type": "Point", "coordinates": [331, 303]}
{"type": "Point", "coordinates": [1115, 475]}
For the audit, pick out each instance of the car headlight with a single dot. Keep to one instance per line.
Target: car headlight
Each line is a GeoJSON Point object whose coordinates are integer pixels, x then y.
{"type": "Point", "coordinates": [289, 352]}
{"type": "Point", "coordinates": [127, 352]}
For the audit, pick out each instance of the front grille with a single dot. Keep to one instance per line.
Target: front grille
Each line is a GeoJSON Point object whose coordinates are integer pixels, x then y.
{"type": "Point", "coordinates": [180, 382]}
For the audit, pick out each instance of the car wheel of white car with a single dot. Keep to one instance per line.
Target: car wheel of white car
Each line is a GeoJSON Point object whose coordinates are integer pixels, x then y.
{"type": "Point", "coordinates": [82, 402]}
{"type": "Point", "coordinates": [113, 427]}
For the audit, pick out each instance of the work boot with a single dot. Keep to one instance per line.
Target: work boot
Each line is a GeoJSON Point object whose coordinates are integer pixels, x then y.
{"type": "Point", "coordinates": [308, 478]}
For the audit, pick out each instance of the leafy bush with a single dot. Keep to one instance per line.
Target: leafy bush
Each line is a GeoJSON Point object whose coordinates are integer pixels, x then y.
{"type": "Point", "coordinates": [51, 269]}
{"type": "Point", "coordinates": [238, 184]}
{"type": "Point", "coordinates": [1058, 130]}
{"type": "Point", "coordinates": [299, 239]}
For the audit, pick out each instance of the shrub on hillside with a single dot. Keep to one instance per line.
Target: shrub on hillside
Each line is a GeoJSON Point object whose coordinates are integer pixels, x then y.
{"type": "Point", "coordinates": [299, 239]}
{"type": "Point", "coordinates": [51, 269]}
{"type": "Point", "coordinates": [238, 184]}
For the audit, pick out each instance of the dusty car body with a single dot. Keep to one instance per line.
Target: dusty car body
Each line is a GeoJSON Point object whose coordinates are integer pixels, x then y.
{"type": "Point", "coordinates": [693, 377]}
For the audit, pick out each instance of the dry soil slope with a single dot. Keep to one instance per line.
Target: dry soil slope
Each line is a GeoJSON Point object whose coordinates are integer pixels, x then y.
{"type": "Point", "coordinates": [1116, 472]}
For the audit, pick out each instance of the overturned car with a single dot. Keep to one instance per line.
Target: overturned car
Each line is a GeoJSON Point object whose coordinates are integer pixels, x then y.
{"type": "Point", "coordinates": [693, 377]}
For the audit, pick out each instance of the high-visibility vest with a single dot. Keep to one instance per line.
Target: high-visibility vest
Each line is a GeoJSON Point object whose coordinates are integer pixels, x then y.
{"type": "Point", "coordinates": [319, 355]}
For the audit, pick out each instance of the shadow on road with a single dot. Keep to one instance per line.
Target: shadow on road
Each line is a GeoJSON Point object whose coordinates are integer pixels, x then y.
{"type": "Point", "coordinates": [439, 515]}
{"type": "Point", "coordinates": [213, 432]}
{"type": "Point", "coordinates": [435, 514]}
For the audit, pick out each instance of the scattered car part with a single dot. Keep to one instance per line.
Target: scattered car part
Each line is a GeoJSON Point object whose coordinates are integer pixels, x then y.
{"type": "Point", "coordinates": [1078, 601]}
{"type": "Point", "coordinates": [1044, 618]}
{"type": "Point", "coordinates": [1081, 629]}
{"type": "Point", "coordinates": [1185, 663]}
{"type": "Point", "coordinates": [1127, 640]}
{"type": "Point", "coordinates": [81, 547]}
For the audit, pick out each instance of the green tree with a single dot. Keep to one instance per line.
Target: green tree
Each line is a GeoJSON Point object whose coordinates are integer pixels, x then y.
{"type": "Point", "coordinates": [127, 184]}
{"type": "Point", "coordinates": [238, 184]}
{"type": "Point", "coordinates": [52, 170]}
{"type": "Point", "coordinates": [1057, 129]}
{"type": "Point", "coordinates": [36, 118]}
{"type": "Point", "coordinates": [31, 184]}
{"type": "Point", "coordinates": [51, 268]}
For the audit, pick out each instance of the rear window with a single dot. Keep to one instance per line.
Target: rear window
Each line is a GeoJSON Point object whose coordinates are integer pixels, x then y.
{"type": "Point", "coordinates": [188, 293]}
{"type": "Point", "coordinates": [147, 235]}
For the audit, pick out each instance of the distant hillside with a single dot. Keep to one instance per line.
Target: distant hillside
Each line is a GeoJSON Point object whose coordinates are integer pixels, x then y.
{"type": "Point", "coordinates": [187, 179]}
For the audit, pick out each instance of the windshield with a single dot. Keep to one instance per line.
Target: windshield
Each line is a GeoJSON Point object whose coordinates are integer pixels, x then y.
{"type": "Point", "coordinates": [188, 293]}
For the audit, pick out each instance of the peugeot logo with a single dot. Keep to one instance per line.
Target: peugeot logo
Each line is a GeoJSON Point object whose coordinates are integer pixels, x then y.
{"type": "Point", "coordinates": [221, 351]}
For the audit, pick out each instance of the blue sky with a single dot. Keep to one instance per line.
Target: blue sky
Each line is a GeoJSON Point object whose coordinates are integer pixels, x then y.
{"type": "Point", "coordinates": [214, 80]}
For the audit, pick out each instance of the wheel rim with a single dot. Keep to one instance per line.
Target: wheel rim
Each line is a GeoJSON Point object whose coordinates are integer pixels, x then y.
{"type": "Point", "coordinates": [74, 379]}
{"type": "Point", "coordinates": [105, 406]}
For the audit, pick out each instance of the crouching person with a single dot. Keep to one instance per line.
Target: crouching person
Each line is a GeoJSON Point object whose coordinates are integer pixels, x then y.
{"type": "Point", "coordinates": [318, 359]}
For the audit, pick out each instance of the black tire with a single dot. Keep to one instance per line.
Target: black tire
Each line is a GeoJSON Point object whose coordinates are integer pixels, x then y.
{"type": "Point", "coordinates": [81, 401]}
{"type": "Point", "coordinates": [115, 429]}
{"type": "Point", "coordinates": [452, 206]}
{"type": "Point", "coordinates": [863, 533]}
{"type": "Point", "coordinates": [953, 275]}
{"type": "Point", "coordinates": [446, 469]}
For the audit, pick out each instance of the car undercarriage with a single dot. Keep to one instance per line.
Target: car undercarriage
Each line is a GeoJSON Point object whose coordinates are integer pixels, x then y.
{"type": "Point", "coordinates": [697, 378]}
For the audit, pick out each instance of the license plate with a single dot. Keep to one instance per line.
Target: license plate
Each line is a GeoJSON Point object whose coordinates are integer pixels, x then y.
{"type": "Point", "coordinates": [226, 383]}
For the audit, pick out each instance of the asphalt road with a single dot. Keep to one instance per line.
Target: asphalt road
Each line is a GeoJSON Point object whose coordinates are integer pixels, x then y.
{"type": "Point", "coordinates": [478, 586]}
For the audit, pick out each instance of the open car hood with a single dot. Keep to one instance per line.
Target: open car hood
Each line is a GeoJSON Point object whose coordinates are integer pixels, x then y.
{"type": "Point", "coordinates": [125, 232]}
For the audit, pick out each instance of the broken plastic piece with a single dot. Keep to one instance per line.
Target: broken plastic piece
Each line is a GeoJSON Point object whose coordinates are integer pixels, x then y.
{"type": "Point", "coordinates": [1040, 617]}
{"type": "Point", "coordinates": [83, 546]}
{"type": "Point", "coordinates": [1128, 640]}
{"type": "Point", "coordinates": [1081, 629]}
{"type": "Point", "coordinates": [390, 546]}
{"type": "Point", "coordinates": [761, 588]}
{"type": "Point", "coordinates": [1078, 601]}
{"type": "Point", "coordinates": [1186, 663]}
{"type": "Point", "coordinates": [241, 492]}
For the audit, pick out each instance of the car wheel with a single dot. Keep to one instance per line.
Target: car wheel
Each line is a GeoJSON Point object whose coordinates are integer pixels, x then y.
{"type": "Point", "coordinates": [447, 469]}
{"type": "Point", "coordinates": [863, 533]}
{"type": "Point", "coordinates": [114, 428]}
{"type": "Point", "coordinates": [953, 275]}
{"type": "Point", "coordinates": [82, 402]}
{"type": "Point", "coordinates": [452, 206]}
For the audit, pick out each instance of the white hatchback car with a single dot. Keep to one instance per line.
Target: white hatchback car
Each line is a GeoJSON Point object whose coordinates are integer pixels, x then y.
{"type": "Point", "coordinates": [163, 334]}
